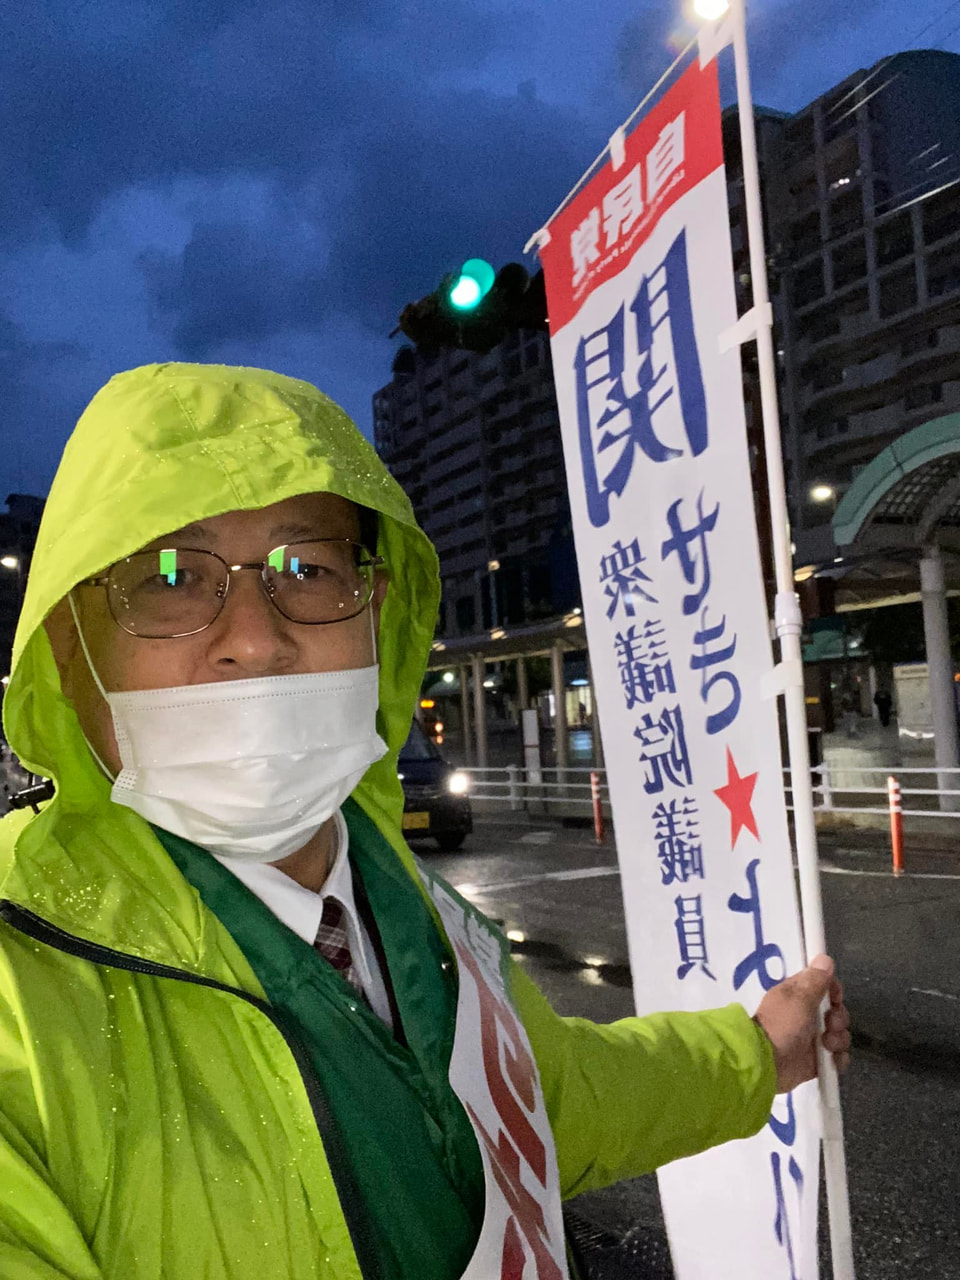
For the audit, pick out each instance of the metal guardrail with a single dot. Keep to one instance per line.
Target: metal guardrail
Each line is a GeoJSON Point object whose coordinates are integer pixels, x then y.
{"type": "Point", "coordinates": [522, 788]}
{"type": "Point", "coordinates": [842, 788]}
{"type": "Point", "coordinates": [836, 788]}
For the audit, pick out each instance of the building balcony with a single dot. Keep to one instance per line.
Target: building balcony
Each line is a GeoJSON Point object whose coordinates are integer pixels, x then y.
{"type": "Point", "coordinates": [890, 366]}
{"type": "Point", "coordinates": [903, 414]}
{"type": "Point", "coordinates": [494, 386]}
{"type": "Point", "coordinates": [510, 436]}
{"type": "Point", "coordinates": [847, 328]}
{"type": "Point", "coordinates": [464, 562]}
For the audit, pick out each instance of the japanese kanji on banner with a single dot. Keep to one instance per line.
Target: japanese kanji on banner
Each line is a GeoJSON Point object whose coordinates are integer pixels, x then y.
{"type": "Point", "coordinates": [640, 288]}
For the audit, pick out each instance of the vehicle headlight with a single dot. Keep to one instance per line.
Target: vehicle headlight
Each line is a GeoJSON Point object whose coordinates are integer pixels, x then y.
{"type": "Point", "coordinates": [458, 784]}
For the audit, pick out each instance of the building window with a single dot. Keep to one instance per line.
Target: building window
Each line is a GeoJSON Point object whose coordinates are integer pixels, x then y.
{"type": "Point", "coordinates": [894, 239]}
{"type": "Point", "coordinates": [805, 235]}
{"type": "Point", "coordinates": [898, 293]}
{"type": "Point", "coordinates": [823, 376]}
{"type": "Point", "coordinates": [920, 396]}
{"type": "Point", "coordinates": [849, 263]}
{"type": "Point", "coordinates": [466, 614]}
{"type": "Point", "coordinates": [820, 326]}
{"type": "Point", "coordinates": [918, 342]}
{"type": "Point", "coordinates": [808, 284]}
{"type": "Point", "coordinates": [846, 213]}
{"type": "Point", "coordinates": [941, 216]}
{"type": "Point", "coordinates": [944, 280]}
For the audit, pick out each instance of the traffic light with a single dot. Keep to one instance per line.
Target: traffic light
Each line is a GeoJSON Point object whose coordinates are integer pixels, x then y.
{"type": "Point", "coordinates": [472, 285]}
{"type": "Point", "coordinates": [475, 308]}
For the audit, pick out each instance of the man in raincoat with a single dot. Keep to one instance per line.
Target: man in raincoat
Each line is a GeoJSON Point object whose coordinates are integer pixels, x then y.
{"type": "Point", "coordinates": [240, 1036]}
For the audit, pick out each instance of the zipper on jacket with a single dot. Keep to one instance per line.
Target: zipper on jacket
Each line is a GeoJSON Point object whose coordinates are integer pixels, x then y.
{"type": "Point", "coordinates": [34, 926]}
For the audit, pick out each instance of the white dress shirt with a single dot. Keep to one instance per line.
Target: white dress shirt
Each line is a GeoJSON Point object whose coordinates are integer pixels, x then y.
{"type": "Point", "coordinates": [300, 909]}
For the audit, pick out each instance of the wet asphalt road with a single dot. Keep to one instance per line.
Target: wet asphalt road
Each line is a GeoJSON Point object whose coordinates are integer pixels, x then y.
{"type": "Point", "coordinates": [897, 944]}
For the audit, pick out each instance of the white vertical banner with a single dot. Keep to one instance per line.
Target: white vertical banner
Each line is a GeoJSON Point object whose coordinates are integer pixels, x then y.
{"type": "Point", "coordinates": [640, 288]}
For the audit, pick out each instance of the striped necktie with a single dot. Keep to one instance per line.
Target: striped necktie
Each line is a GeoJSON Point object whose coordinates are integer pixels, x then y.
{"type": "Point", "coordinates": [333, 944]}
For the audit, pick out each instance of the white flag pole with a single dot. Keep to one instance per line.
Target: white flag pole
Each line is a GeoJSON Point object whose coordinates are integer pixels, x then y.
{"type": "Point", "coordinates": [789, 624]}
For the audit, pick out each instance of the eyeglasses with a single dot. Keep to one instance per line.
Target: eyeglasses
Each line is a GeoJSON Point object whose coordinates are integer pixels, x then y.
{"type": "Point", "coordinates": [166, 594]}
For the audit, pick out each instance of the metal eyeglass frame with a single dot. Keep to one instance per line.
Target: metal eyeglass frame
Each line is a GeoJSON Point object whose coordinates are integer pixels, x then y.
{"type": "Point", "coordinates": [374, 562]}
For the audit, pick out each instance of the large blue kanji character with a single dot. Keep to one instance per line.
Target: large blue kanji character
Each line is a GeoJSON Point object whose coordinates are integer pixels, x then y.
{"type": "Point", "coordinates": [665, 327]}
{"type": "Point", "coordinates": [781, 1223]}
{"type": "Point", "coordinates": [677, 836]}
{"type": "Point", "coordinates": [615, 422]}
{"type": "Point", "coordinates": [786, 1130]}
{"type": "Point", "coordinates": [717, 721]}
{"type": "Point", "coordinates": [691, 936]}
{"type": "Point", "coordinates": [622, 576]}
{"type": "Point", "coordinates": [695, 566]}
{"type": "Point", "coordinates": [644, 664]}
{"type": "Point", "coordinates": [763, 952]}
{"type": "Point", "coordinates": [664, 750]}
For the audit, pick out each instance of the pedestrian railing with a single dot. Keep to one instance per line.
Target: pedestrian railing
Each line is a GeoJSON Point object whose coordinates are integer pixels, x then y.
{"type": "Point", "coordinates": [924, 791]}
{"type": "Point", "coordinates": [521, 788]}
{"type": "Point", "coordinates": [582, 793]}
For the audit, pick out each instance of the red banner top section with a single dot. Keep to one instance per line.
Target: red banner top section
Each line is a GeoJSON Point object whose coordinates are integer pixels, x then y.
{"type": "Point", "coordinates": [675, 146]}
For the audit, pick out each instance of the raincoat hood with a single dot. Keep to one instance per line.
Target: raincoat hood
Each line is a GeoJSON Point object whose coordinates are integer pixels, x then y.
{"type": "Point", "coordinates": [166, 445]}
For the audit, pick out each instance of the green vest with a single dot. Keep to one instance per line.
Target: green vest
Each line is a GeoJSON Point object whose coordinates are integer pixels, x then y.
{"type": "Point", "coordinates": [402, 1150]}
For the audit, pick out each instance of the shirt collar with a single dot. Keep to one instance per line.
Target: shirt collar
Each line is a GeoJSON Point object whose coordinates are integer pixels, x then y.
{"type": "Point", "coordinates": [300, 909]}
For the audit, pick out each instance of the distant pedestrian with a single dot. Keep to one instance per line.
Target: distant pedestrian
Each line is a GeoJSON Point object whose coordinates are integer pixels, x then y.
{"type": "Point", "coordinates": [883, 702]}
{"type": "Point", "coordinates": [848, 707]}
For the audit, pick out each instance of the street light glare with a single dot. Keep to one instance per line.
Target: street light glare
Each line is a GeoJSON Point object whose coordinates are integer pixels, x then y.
{"type": "Point", "coordinates": [710, 10]}
{"type": "Point", "coordinates": [821, 492]}
{"type": "Point", "coordinates": [9, 562]}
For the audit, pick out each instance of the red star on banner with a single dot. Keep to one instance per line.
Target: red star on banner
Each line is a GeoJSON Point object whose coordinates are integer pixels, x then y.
{"type": "Point", "coordinates": [737, 796]}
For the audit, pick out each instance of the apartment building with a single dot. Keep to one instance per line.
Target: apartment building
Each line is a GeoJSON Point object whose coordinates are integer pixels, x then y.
{"type": "Point", "coordinates": [474, 440]}
{"type": "Point", "coordinates": [863, 210]}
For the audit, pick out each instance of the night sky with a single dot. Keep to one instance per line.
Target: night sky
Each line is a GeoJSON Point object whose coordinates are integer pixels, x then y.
{"type": "Point", "coordinates": [269, 184]}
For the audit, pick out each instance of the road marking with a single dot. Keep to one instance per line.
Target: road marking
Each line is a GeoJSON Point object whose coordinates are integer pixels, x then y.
{"type": "Point", "coordinates": [928, 991]}
{"type": "Point", "coordinates": [579, 873]}
{"type": "Point", "coordinates": [593, 873]}
{"type": "Point", "coordinates": [537, 837]}
{"type": "Point", "coordinates": [886, 875]}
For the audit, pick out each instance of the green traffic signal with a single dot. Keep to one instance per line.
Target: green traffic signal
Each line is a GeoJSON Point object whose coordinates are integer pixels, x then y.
{"type": "Point", "coordinates": [472, 285]}
{"type": "Point", "coordinates": [473, 309]}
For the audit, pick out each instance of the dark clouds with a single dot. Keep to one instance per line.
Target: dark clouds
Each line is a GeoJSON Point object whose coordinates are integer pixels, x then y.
{"type": "Point", "coordinates": [375, 157]}
{"type": "Point", "coordinates": [222, 179]}
{"type": "Point", "coordinates": [113, 93]}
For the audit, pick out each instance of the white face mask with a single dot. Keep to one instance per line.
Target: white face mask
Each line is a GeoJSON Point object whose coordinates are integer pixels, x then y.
{"type": "Point", "coordinates": [249, 769]}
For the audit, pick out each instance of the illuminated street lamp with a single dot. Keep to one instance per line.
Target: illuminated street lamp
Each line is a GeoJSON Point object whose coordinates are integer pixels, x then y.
{"type": "Point", "coordinates": [710, 10]}
{"type": "Point", "coordinates": [10, 562]}
{"type": "Point", "coordinates": [822, 492]}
